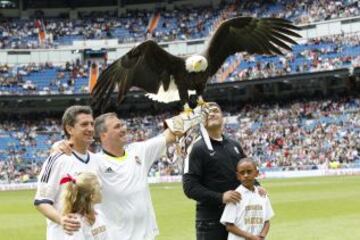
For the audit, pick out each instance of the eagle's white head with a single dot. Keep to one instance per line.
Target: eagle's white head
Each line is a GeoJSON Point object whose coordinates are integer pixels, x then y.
{"type": "Point", "coordinates": [196, 63]}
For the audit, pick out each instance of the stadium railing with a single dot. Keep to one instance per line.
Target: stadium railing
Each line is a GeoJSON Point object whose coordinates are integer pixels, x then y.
{"type": "Point", "coordinates": [169, 179]}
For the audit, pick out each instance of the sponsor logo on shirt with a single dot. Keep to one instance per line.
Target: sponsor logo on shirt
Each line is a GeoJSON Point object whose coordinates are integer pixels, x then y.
{"type": "Point", "coordinates": [109, 170]}
{"type": "Point", "coordinates": [98, 230]}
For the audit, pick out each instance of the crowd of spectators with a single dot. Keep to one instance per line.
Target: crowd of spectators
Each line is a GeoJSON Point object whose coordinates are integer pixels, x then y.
{"type": "Point", "coordinates": [301, 12]}
{"type": "Point", "coordinates": [182, 23]}
{"type": "Point", "coordinates": [320, 54]}
{"type": "Point", "coordinates": [296, 136]}
{"type": "Point", "coordinates": [15, 76]}
{"type": "Point", "coordinates": [22, 147]}
{"type": "Point", "coordinates": [292, 136]}
{"type": "Point", "coordinates": [41, 79]}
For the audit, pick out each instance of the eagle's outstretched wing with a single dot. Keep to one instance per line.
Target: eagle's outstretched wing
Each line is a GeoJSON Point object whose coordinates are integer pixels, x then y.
{"type": "Point", "coordinates": [252, 35]}
{"type": "Point", "coordinates": [146, 66]}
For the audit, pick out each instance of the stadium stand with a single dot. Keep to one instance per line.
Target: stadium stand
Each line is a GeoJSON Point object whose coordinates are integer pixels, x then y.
{"type": "Point", "coordinates": [320, 54]}
{"type": "Point", "coordinates": [291, 136]}
{"type": "Point", "coordinates": [326, 53]}
{"type": "Point", "coordinates": [297, 135]}
{"type": "Point", "coordinates": [182, 23]}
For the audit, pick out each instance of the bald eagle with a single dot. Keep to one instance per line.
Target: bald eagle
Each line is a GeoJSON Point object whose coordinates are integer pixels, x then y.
{"type": "Point", "coordinates": [168, 78]}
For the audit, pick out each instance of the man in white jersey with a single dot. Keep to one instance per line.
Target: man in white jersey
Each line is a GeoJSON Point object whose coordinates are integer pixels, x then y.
{"type": "Point", "coordinates": [127, 202]}
{"type": "Point", "coordinates": [123, 172]}
{"type": "Point", "coordinates": [78, 126]}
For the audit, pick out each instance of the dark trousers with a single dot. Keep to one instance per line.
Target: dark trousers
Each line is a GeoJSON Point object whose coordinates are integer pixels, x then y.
{"type": "Point", "coordinates": [210, 230]}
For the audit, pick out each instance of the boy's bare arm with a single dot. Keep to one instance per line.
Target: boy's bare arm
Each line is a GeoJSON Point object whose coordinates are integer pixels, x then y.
{"type": "Point", "coordinates": [237, 231]}
{"type": "Point", "coordinates": [265, 230]}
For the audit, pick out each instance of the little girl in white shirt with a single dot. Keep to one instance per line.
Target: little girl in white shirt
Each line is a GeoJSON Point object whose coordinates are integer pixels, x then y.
{"type": "Point", "coordinates": [80, 195]}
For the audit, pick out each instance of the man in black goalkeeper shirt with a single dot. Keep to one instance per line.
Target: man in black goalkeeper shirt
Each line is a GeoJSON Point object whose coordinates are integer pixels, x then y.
{"type": "Point", "coordinates": [210, 176]}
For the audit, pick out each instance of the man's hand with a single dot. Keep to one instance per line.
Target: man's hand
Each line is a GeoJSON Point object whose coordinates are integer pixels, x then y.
{"type": "Point", "coordinates": [183, 122]}
{"type": "Point", "coordinates": [70, 223]}
{"type": "Point", "coordinates": [204, 114]}
{"type": "Point", "coordinates": [62, 146]}
{"type": "Point", "coordinates": [262, 191]}
{"type": "Point", "coordinates": [231, 197]}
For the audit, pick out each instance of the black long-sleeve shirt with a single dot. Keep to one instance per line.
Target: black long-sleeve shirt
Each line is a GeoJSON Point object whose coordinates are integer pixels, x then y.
{"type": "Point", "coordinates": [208, 175]}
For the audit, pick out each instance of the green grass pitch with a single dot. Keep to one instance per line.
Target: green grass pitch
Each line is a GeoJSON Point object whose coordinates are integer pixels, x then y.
{"type": "Point", "coordinates": [323, 208]}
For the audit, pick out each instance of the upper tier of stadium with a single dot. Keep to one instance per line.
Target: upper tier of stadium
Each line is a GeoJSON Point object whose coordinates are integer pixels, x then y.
{"type": "Point", "coordinates": [184, 21]}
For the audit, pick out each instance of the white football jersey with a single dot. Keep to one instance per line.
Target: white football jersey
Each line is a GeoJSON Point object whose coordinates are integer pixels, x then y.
{"type": "Point", "coordinates": [126, 195]}
{"type": "Point", "coordinates": [49, 189]}
{"type": "Point", "coordinates": [97, 231]}
{"type": "Point", "coordinates": [249, 214]}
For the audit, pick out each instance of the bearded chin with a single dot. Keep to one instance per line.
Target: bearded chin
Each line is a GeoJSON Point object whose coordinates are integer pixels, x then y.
{"type": "Point", "coordinates": [213, 126]}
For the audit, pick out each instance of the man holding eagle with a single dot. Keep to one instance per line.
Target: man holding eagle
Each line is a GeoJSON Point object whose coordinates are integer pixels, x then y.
{"type": "Point", "coordinates": [167, 78]}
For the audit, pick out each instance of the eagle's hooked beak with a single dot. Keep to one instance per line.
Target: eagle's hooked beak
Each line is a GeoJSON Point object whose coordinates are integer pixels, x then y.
{"type": "Point", "coordinates": [197, 66]}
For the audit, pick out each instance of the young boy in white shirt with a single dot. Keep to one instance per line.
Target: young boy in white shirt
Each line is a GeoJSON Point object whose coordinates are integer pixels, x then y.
{"type": "Point", "coordinates": [248, 219]}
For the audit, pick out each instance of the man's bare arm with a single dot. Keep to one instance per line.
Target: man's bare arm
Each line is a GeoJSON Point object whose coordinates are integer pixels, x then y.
{"type": "Point", "coordinates": [69, 222]}
{"type": "Point", "coordinates": [170, 136]}
{"type": "Point", "coordinates": [62, 146]}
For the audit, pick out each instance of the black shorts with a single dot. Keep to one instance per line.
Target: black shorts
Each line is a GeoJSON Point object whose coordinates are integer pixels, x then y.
{"type": "Point", "coordinates": [210, 230]}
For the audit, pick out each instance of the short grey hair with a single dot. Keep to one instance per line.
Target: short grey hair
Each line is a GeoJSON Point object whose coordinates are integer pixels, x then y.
{"type": "Point", "coordinates": [70, 114]}
{"type": "Point", "coordinates": [100, 126]}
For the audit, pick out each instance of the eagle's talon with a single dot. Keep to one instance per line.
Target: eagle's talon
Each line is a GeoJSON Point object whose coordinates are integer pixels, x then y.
{"type": "Point", "coordinates": [187, 110]}
{"type": "Point", "coordinates": [201, 102]}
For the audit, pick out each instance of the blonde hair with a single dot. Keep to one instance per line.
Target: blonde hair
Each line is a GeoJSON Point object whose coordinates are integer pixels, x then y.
{"type": "Point", "coordinates": [79, 195]}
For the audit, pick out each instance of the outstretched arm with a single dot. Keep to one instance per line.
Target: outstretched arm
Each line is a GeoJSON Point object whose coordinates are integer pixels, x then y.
{"type": "Point", "coordinates": [170, 137]}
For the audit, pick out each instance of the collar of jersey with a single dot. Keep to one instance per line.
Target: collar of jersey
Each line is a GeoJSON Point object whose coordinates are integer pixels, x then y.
{"type": "Point", "coordinates": [80, 158]}
{"type": "Point", "coordinates": [249, 191]}
{"type": "Point", "coordinates": [223, 139]}
{"type": "Point", "coordinates": [112, 156]}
